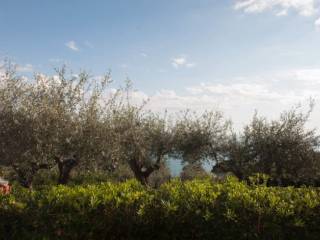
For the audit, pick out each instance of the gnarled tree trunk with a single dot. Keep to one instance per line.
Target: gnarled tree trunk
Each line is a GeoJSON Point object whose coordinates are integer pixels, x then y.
{"type": "Point", "coordinates": [141, 172]}
{"type": "Point", "coordinates": [26, 175]}
{"type": "Point", "coordinates": [65, 166]}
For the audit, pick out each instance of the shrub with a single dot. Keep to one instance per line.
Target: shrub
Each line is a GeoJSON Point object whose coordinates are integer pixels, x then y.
{"type": "Point", "coordinates": [198, 209]}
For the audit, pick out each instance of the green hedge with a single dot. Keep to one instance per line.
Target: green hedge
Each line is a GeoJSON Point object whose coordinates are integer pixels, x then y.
{"type": "Point", "coordinates": [198, 209]}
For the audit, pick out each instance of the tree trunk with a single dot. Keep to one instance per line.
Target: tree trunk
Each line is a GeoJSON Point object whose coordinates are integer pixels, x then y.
{"type": "Point", "coordinates": [25, 176]}
{"type": "Point", "coordinates": [141, 172]}
{"type": "Point", "coordinates": [65, 166]}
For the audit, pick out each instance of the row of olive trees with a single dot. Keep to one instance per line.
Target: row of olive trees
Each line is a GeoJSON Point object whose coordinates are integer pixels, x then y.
{"type": "Point", "coordinates": [284, 149]}
{"type": "Point", "coordinates": [68, 122]}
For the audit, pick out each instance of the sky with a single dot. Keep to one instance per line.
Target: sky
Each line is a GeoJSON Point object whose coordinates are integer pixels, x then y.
{"type": "Point", "coordinates": [236, 56]}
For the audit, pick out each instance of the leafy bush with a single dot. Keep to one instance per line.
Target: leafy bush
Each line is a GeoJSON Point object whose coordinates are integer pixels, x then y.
{"type": "Point", "coordinates": [198, 209]}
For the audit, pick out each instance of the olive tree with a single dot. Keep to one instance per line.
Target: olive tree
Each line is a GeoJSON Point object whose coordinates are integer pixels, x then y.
{"type": "Point", "coordinates": [142, 139]}
{"type": "Point", "coordinates": [199, 138]}
{"type": "Point", "coordinates": [45, 120]}
{"type": "Point", "coordinates": [284, 149]}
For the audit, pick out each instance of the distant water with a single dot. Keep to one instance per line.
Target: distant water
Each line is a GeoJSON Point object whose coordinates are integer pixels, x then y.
{"type": "Point", "coordinates": [176, 166]}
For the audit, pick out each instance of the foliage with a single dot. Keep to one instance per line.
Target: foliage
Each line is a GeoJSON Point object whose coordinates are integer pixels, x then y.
{"type": "Point", "coordinates": [48, 118]}
{"type": "Point", "coordinates": [198, 209]}
{"type": "Point", "coordinates": [284, 149]}
{"type": "Point", "coordinates": [200, 137]}
{"type": "Point", "coordinates": [70, 122]}
{"type": "Point", "coordinates": [142, 139]}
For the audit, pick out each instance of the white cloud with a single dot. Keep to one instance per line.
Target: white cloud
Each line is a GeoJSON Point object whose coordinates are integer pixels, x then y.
{"type": "Point", "coordinates": [24, 68]}
{"type": "Point", "coordinates": [317, 23]}
{"type": "Point", "coordinates": [306, 8]}
{"type": "Point", "coordinates": [239, 97]}
{"type": "Point", "coordinates": [280, 7]}
{"type": "Point", "coordinates": [182, 61]}
{"type": "Point", "coordinates": [72, 45]}
{"type": "Point", "coordinates": [177, 62]}
{"type": "Point", "coordinates": [281, 13]}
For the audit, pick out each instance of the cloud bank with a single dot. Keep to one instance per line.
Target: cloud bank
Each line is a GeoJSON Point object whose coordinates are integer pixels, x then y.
{"type": "Point", "coordinates": [240, 97]}
{"type": "Point", "coordinates": [302, 7]}
{"type": "Point", "coordinates": [306, 8]}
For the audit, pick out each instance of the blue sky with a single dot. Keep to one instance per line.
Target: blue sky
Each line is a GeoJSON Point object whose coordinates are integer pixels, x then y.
{"type": "Point", "coordinates": [233, 55]}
